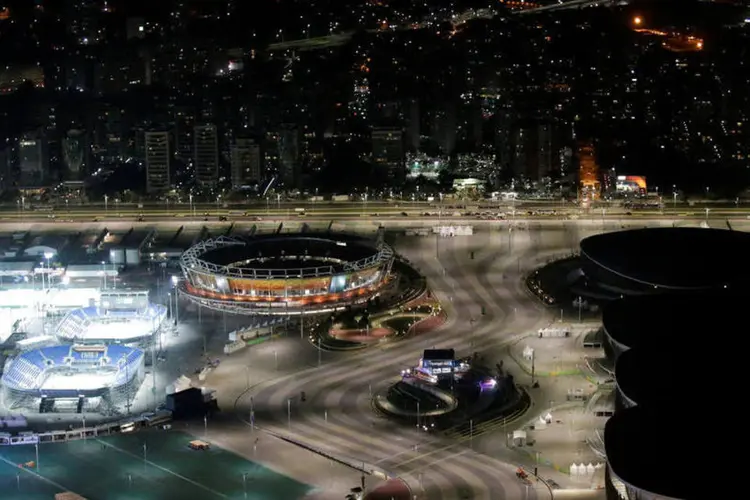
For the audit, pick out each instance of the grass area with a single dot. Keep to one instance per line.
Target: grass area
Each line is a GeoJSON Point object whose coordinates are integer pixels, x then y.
{"type": "Point", "coordinates": [113, 468]}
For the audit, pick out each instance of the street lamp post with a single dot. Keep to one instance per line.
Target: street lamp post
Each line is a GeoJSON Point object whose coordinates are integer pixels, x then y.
{"type": "Point", "coordinates": [47, 257]}
{"type": "Point", "coordinates": [106, 204]}
{"type": "Point", "coordinates": [104, 275]}
{"type": "Point", "coordinates": [289, 413]}
{"type": "Point", "coordinates": [190, 204]}
{"type": "Point", "coordinates": [471, 434]}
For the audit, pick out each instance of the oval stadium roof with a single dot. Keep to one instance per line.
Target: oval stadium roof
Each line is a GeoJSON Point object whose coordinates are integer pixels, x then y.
{"type": "Point", "coordinates": [637, 320]}
{"type": "Point", "coordinates": [673, 258]}
{"type": "Point", "coordinates": [652, 454]}
{"type": "Point", "coordinates": [654, 375]}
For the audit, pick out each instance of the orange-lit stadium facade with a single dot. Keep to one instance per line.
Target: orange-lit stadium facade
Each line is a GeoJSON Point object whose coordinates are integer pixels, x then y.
{"type": "Point", "coordinates": [285, 274]}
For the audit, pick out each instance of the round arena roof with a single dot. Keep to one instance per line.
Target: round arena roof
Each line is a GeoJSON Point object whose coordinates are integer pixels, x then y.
{"type": "Point", "coordinates": [674, 258]}
{"type": "Point", "coordinates": [650, 451]}
{"type": "Point", "coordinates": [653, 375]}
{"type": "Point", "coordinates": [639, 320]}
{"type": "Point", "coordinates": [290, 255]}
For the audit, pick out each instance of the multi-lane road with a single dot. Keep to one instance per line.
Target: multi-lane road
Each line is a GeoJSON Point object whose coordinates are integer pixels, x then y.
{"type": "Point", "coordinates": [352, 210]}
{"type": "Point", "coordinates": [337, 416]}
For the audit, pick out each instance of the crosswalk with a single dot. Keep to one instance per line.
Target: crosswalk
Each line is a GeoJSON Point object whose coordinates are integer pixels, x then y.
{"type": "Point", "coordinates": [339, 418]}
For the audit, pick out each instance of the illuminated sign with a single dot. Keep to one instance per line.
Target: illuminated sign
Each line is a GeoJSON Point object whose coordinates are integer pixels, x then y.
{"type": "Point", "coordinates": [338, 284]}
{"type": "Point", "coordinates": [634, 184]}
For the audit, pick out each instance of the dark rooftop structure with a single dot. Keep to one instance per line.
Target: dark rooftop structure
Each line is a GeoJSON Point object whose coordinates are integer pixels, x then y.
{"type": "Point", "coordinates": [664, 374]}
{"type": "Point", "coordinates": [649, 451]}
{"type": "Point", "coordinates": [633, 321]}
{"type": "Point", "coordinates": [666, 381]}
{"type": "Point", "coordinates": [659, 260]}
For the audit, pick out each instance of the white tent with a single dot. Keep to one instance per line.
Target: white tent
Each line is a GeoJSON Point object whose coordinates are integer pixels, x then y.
{"type": "Point", "coordinates": [574, 470]}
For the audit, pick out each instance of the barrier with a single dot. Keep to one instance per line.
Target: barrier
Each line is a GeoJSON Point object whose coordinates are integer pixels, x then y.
{"type": "Point", "coordinates": [127, 425]}
{"type": "Point", "coordinates": [235, 346]}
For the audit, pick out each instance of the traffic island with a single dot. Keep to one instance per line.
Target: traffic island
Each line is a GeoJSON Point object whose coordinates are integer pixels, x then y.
{"type": "Point", "coordinates": [450, 406]}
{"type": "Point", "coordinates": [410, 400]}
{"type": "Point", "coordinates": [392, 489]}
{"type": "Point", "coordinates": [353, 330]}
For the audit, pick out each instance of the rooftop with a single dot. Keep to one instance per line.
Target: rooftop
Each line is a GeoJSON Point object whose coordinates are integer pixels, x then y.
{"type": "Point", "coordinates": [658, 374]}
{"type": "Point", "coordinates": [673, 257]}
{"type": "Point", "coordinates": [637, 320]}
{"type": "Point", "coordinates": [653, 450]}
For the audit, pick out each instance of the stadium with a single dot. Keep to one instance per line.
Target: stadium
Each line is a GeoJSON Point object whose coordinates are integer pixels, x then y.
{"type": "Point", "coordinates": [674, 260]}
{"type": "Point", "coordinates": [91, 361]}
{"type": "Point", "coordinates": [285, 274]}
{"type": "Point", "coordinates": [73, 378]}
{"type": "Point", "coordinates": [624, 326]}
{"type": "Point", "coordinates": [100, 325]}
{"type": "Point", "coordinates": [665, 377]}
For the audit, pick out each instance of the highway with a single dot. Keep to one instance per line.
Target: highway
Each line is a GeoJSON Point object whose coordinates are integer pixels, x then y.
{"type": "Point", "coordinates": [338, 418]}
{"type": "Point", "coordinates": [355, 210]}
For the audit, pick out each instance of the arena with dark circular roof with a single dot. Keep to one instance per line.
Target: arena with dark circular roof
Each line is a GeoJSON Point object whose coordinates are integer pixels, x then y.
{"type": "Point", "coordinates": [285, 274]}
{"type": "Point", "coordinates": [671, 259]}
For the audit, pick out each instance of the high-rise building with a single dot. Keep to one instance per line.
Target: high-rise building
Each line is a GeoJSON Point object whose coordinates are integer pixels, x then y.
{"type": "Point", "coordinates": [74, 152]}
{"type": "Point", "coordinates": [31, 162]}
{"type": "Point", "coordinates": [244, 158]}
{"type": "Point", "coordinates": [289, 155]}
{"type": "Point", "coordinates": [157, 161]}
{"type": "Point", "coordinates": [388, 151]}
{"type": "Point", "coordinates": [206, 154]}
{"type": "Point", "coordinates": [588, 173]}
{"type": "Point", "coordinates": [184, 124]}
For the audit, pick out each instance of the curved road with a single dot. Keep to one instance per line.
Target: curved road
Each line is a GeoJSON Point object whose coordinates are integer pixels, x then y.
{"type": "Point", "coordinates": [337, 417]}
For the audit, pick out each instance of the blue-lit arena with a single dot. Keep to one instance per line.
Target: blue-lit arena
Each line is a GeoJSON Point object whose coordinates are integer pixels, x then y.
{"type": "Point", "coordinates": [69, 377]}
